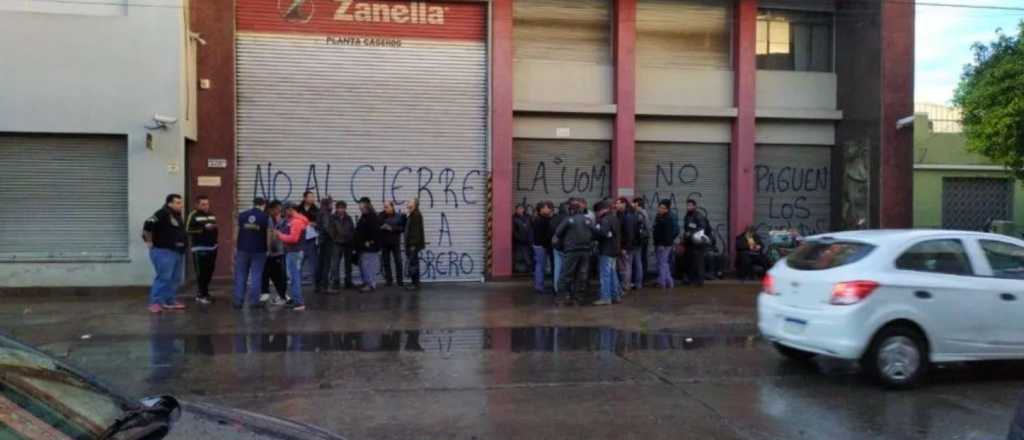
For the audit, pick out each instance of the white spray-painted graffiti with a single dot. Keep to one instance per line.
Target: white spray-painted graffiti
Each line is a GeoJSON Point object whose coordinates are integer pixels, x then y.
{"type": "Point", "coordinates": [443, 194]}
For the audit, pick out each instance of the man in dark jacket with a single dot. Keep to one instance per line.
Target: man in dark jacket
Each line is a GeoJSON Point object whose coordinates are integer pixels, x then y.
{"type": "Point", "coordinates": [521, 240]}
{"type": "Point", "coordinates": [643, 240]}
{"type": "Point", "coordinates": [609, 239]}
{"type": "Point", "coordinates": [749, 252]}
{"type": "Point", "coordinates": [202, 234]}
{"type": "Point", "coordinates": [342, 233]}
{"type": "Point", "coordinates": [541, 231]}
{"type": "Point", "coordinates": [165, 236]}
{"type": "Point", "coordinates": [628, 219]}
{"type": "Point", "coordinates": [556, 248]}
{"type": "Point", "coordinates": [368, 242]}
{"type": "Point", "coordinates": [392, 226]}
{"type": "Point", "coordinates": [325, 246]}
{"type": "Point", "coordinates": [575, 235]}
{"type": "Point", "coordinates": [415, 242]}
{"type": "Point", "coordinates": [697, 236]}
{"type": "Point", "coordinates": [666, 229]}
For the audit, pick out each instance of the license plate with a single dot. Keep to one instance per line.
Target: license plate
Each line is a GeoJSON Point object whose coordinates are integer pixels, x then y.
{"type": "Point", "coordinates": [794, 326]}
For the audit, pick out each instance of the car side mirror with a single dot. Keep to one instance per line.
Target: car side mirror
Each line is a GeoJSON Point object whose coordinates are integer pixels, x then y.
{"type": "Point", "coordinates": [164, 405]}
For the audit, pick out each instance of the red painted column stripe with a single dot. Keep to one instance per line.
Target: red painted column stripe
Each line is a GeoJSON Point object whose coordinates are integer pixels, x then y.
{"type": "Point", "coordinates": [501, 137]}
{"type": "Point", "coordinates": [741, 153]}
{"type": "Point", "coordinates": [896, 180]}
{"type": "Point", "coordinates": [624, 143]}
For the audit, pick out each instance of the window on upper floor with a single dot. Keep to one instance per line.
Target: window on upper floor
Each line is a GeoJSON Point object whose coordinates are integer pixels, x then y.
{"type": "Point", "coordinates": [794, 40]}
{"type": "Point", "coordinates": [76, 7]}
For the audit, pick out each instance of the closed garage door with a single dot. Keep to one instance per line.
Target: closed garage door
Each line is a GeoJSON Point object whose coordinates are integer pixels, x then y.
{"type": "Point", "coordinates": [557, 170]}
{"type": "Point", "coordinates": [75, 190]}
{"type": "Point", "coordinates": [793, 188]}
{"type": "Point", "coordinates": [385, 100]}
{"type": "Point", "coordinates": [681, 171]}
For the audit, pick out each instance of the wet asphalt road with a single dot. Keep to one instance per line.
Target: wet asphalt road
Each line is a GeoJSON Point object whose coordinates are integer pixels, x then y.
{"type": "Point", "coordinates": [493, 361]}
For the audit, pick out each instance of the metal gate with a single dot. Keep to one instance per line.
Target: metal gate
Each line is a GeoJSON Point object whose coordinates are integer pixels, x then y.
{"type": "Point", "coordinates": [971, 203]}
{"type": "Point", "coordinates": [556, 170]}
{"type": "Point", "coordinates": [681, 171]}
{"type": "Point", "coordinates": [78, 186]}
{"type": "Point", "coordinates": [794, 188]}
{"type": "Point", "coordinates": [398, 114]}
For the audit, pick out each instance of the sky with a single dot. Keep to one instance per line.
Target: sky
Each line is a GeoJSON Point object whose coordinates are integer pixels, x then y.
{"type": "Point", "coordinates": [943, 42]}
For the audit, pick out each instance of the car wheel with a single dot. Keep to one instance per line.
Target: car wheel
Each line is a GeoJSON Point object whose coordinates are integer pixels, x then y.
{"type": "Point", "coordinates": [897, 358]}
{"type": "Point", "coordinates": [793, 353]}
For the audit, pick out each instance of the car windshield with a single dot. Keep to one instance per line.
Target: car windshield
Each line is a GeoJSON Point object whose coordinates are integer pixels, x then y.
{"type": "Point", "coordinates": [39, 398]}
{"type": "Point", "coordinates": [827, 254]}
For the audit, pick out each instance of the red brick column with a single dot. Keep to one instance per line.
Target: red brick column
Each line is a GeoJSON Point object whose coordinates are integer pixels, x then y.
{"type": "Point", "coordinates": [215, 61]}
{"type": "Point", "coordinates": [741, 153]}
{"type": "Point", "coordinates": [501, 137]}
{"type": "Point", "coordinates": [624, 144]}
{"type": "Point", "coordinates": [896, 179]}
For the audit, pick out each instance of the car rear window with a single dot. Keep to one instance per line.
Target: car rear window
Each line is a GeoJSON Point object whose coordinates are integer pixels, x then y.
{"type": "Point", "coordinates": [821, 255]}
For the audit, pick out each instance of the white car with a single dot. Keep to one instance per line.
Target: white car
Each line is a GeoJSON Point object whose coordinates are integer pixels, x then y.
{"type": "Point", "coordinates": [898, 300]}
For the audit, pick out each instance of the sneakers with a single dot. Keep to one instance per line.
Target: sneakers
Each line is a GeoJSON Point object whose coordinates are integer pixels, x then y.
{"type": "Point", "coordinates": [602, 302]}
{"type": "Point", "coordinates": [295, 306]}
{"type": "Point", "coordinates": [155, 308]}
{"type": "Point", "coordinates": [174, 306]}
{"type": "Point", "coordinates": [278, 301]}
{"type": "Point", "coordinates": [204, 300]}
{"type": "Point", "coordinates": [264, 297]}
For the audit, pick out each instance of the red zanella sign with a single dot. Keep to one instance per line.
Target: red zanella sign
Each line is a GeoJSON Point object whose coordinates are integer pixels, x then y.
{"type": "Point", "coordinates": [415, 19]}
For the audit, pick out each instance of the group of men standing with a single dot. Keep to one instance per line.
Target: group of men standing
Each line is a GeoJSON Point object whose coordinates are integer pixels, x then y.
{"type": "Point", "coordinates": [277, 243]}
{"type": "Point", "coordinates": [615, 236]}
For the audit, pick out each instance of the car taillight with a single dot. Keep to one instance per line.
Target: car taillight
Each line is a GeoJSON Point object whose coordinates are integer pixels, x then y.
{"type": "Point", "coordinates": [852, 292]}
{"type": "Point", "coordinates": [768, 285]}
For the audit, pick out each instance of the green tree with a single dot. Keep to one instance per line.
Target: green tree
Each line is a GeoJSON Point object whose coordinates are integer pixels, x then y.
{"type": "Point", "coordinates": [991, 95]}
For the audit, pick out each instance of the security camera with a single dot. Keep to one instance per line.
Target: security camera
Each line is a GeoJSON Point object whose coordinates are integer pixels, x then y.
{"type": "Point", "coordinates": [905, 122]}
{"type": "Point", "coordinates": [165, 119]}
{"type": "Point", "coordinates": [160, 122]}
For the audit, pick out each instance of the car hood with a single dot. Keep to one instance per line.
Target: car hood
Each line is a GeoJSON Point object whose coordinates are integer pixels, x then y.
{"type": "Point", "coordinates": [203, 420]}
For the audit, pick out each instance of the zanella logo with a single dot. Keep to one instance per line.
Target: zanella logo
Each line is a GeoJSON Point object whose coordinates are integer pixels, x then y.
{"type": "Point", "coordinates": [296, 11]}
{"type": "Point", "coordinates": [402, 13]}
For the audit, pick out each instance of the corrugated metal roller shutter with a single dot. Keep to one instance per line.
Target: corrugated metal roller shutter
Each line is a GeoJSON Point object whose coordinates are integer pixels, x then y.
{"type": "Point", "coordinates": [794, 188]}
{"type": "Point", "coordinates": [563, 30]}
{"type": "Point", "coordinates": [75, 188]}
{"type": "Point", "coordinates": [684, 33]}
{"type": "Point", "coordinates": [556, 170]}
{"type": "Point", "coordinates": [389, 123]}
{"type": "Point", "coordinates": [681, 171]}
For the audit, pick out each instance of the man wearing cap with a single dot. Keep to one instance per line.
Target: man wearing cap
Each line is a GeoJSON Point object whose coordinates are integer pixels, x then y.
{"type": "Point", "coordinates": [252, 244]}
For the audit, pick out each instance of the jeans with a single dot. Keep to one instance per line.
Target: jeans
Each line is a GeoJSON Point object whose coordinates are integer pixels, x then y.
{"type": "Point", "coordinates": [556, 272]}
{"type": "Point", "coordinates": [369, 265]}
{"type": "Point", "coordinates": [644, 253]}
{"type": "Point", "coordinates": [540, 258]}
{"type": "Point", "coordinates": [388, 254]}
{"type": "Point", "coordinates": [248, 274]}
{"type": "Point", "coordinates": [412, 264]}
{"type": "Point", "coordinates": [639, 257]}
{"type": "Point", "coordinates": [341, 255]}
{"type": "Point", "coordinates": [309, 260]}
{"type": "Point", "coordinates": [294, 262]}
{"type": "Point", "coordinates": [168, 265]}
{"type": "Point", "coordinates": [626, 268]}
{"type": "Point", "coordinates": [205, 263]}
{"type": "Point", "coordinates": [611, 288]}
{"type": "Point", "coordinates": [664, 254]}
{"type": "Point", "coordinates": [274, 271]}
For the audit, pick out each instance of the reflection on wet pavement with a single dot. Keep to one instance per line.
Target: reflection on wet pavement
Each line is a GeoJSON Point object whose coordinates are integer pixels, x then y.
{"type": "Point", "coordinates": [529, 339]}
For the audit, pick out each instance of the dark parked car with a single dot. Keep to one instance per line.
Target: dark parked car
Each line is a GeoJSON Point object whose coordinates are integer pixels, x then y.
{"type": "Point", "coordinates": [42, 398]}
{"type": "Point", "coordinates": [1017, 426]}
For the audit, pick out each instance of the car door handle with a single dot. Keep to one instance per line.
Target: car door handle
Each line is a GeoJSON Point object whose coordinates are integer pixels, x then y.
{"type": "Point", "coordinates": [1007, 297]}
{"type": "Point", "coordinates": [923, 294]}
